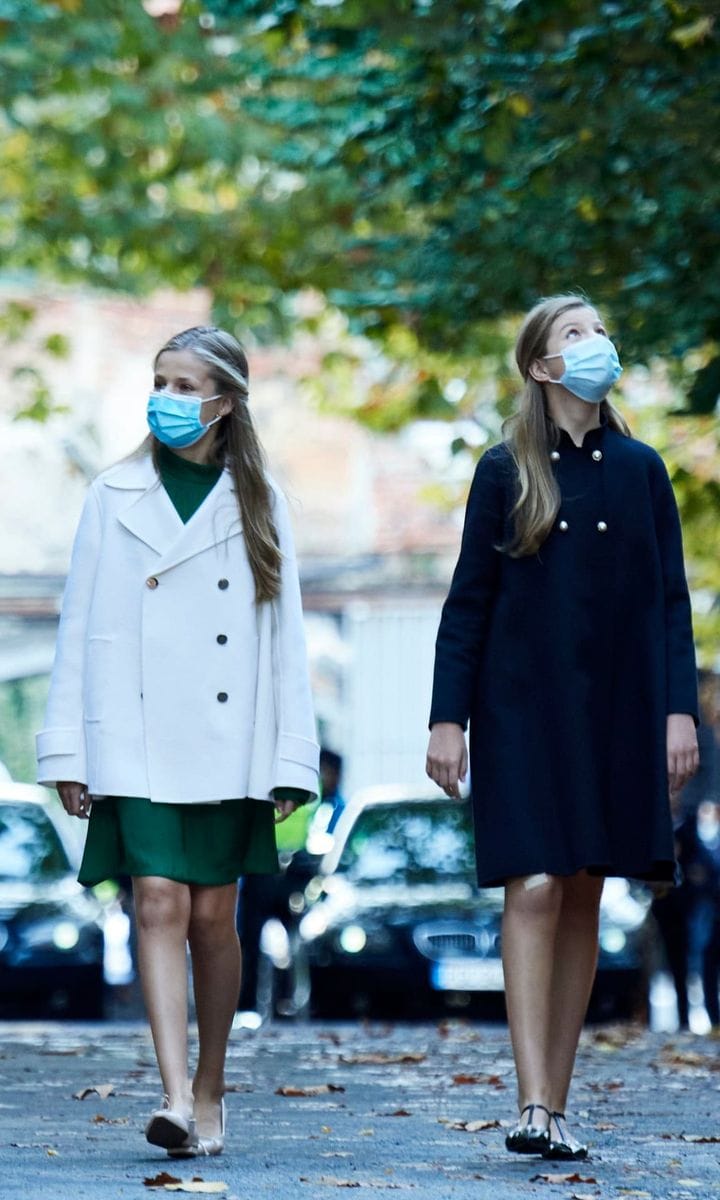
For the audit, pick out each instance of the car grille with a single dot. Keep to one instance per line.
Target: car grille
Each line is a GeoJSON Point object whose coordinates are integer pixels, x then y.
{"type": "Point", "coordinates": [438, 940]}
{"type": "Point", "coordinates": [465, 943]}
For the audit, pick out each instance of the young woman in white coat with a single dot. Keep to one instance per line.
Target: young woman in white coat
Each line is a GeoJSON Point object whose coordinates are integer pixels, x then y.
{"type": "Point", "coordinates": [179, 720]}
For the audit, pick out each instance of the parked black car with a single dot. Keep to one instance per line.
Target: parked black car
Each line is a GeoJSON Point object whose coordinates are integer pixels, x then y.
{"type": "Point", "coordinates": [51, 936]}
{"type": "Point", "coordinates": [395, 924]}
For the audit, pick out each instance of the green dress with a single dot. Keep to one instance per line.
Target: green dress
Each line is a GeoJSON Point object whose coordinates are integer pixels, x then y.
{"type": "Point", "coordinates": [205, 844]}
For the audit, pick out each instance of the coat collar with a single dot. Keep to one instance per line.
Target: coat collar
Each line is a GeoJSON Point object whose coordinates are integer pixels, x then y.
{"type": "Point", "coordinates": [151, 516]}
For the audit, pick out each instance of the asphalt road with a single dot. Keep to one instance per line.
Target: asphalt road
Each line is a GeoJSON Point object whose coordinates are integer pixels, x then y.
{"type": "Point", "coordinates": [385, 1114]}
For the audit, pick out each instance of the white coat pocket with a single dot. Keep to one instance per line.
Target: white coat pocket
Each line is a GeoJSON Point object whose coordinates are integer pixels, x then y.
{"type": "Point", "coordinates": [97, 677]}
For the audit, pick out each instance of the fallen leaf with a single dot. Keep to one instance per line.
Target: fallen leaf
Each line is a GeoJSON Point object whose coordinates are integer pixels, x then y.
{"type": "Point", "coordinates": [470, 1126]}
{"type": "Point", "coordinates": [698, 1137]}
{"type": "Point", "coordinates": [99, 1119]}
{"type": "Point", "coordinates": [573, 1178]}
{"type": "Point", "coordinates": [399, 1112]}
{"type": "Point", "coordinates": [315, 1089]}
{"type": "Point", "coordinates": [379, 1059]}
{"type": "Point", "coordinates": [460, 1079]}
{"type": "Point", "coordinates": [333, 1181]}
{"type": "Point", "coordinates": [103, 1090]}
{"type": "Point", "coordinates": [52, 1153]}
{"type": "Point", "coordinates": [161, 1179]}
{"type": "Point", "coordinates": [197, 1185]}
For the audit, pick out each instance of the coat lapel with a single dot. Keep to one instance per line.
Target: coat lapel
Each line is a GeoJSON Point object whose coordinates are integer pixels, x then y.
{"type": "Point", "coordinates": [216, 520]}
{"type": "Point", "coordinates": [152, 517]}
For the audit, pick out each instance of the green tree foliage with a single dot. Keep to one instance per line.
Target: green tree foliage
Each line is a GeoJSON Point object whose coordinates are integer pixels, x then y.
{"type": "Point", "coordinates": [430, 165]}
{"type": "Point", "coordinates": [479, 155]}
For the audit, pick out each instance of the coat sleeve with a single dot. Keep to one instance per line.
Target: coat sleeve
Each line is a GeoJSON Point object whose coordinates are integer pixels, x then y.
{"type": "Point", "coordinates": [682, 696]}
{"type": "Point", "coordinates": [61, 743]}
{"type": "Point", "coordinates": [466, 611]}
{"type": "Point", "coordinates": [297, 758]}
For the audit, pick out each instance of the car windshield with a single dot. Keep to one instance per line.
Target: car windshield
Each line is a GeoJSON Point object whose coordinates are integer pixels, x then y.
{"type": "Point", "coordinates": [410, 842]}
{"type": "Point", "coordinates": [30, 848]}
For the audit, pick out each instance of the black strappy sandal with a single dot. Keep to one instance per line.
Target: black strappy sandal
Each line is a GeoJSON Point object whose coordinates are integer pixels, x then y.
{"type": "Point", "coordinates": [529, 1139]}
{"type": "Point", "coordinates": [564, 1147]}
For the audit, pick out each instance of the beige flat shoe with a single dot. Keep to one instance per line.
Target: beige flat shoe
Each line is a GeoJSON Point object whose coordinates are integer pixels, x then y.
{"type": "Point", "coordinates": [203, 1145]}
{"type": "Point", "coordinates": [170, 1129]}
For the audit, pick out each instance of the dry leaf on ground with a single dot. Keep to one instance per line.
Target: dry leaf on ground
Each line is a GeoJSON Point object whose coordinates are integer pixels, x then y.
{"type": "Point", "coordinates": [399, 1112]}
{"type": "Point", "coordinates": [699, 1137]}
{"type": "Point", "coordinates": [469, 1126]}
{"type": "Point", "coordinates": [212, 1186]}
{"type": "Point", "coordinates": [495, 1081]}
{"type": "Point", "coordinates": [412, 1056]}
{"type": "Point", "coordinates": [103, 1090]}
{"type": "Point", "coordinates": [573, 1178]}
{"type": "Point", "coordinates": [313, 1089]}
{"type": "Point", "coordinates": [161, 1179]}
{"type": "Point", "coordinates": [99, 1119]}
{"type": "Point", "coordinates": [333, 1181]}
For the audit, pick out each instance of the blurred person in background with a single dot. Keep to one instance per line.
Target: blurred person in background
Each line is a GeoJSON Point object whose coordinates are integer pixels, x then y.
{"type": "Point", "coordinates": [179, 720]}
{"type": "Point", "coordinates": [685, 913]}
{"type": "Point", "coordinates": [301, 843]}
{"type": "Point", "coordinates": [332, 804]}
{"type": "Point", "coordinates": [566, 641]}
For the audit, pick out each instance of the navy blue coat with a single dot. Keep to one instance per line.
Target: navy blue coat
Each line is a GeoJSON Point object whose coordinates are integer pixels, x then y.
{"type": "Point", "coordinates": [566, 664]}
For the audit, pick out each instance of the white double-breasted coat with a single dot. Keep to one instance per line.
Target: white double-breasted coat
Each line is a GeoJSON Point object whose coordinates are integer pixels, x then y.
{"type": "Point", "coordinates": [170, 681]}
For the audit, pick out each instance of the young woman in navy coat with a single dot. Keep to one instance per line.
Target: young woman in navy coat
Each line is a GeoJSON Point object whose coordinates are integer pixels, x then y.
{"type": "Point", "coordinates": [566, 641]}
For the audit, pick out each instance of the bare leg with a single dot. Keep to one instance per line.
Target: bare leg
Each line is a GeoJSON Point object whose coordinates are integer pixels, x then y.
{"type": "Point", "coordinates": [215, 950]}
{"type": "Point", "coordinates": [574, 964]}
{"type": "Point", "coordinates": [162, 909]}
{"type": "Point", "coordinates": [529, 932]}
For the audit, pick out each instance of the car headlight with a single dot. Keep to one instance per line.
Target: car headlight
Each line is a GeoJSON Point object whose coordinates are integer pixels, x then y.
{"type": "Point", "coordinates": [613, 940]}
{"type": "Point", "coordinates": [353, 939]}
{"type": "Point", "coordinates": [63, 935]}
{"type": "Point", "coordinates": [313, 925]}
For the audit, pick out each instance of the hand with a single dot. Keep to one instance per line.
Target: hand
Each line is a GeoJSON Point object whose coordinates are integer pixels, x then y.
{"type": "Point", "coordinates": [683, 758]}
{"type": "Point", "coordinates": [75, 799]}
{"type": "Point", "coordinates": [284, 809]}
{"type": "Point", "coordinates": [447, 757]}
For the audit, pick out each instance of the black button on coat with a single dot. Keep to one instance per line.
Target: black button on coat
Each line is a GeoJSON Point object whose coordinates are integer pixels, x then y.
{"type": "Point", "coordinates": [566, 664]}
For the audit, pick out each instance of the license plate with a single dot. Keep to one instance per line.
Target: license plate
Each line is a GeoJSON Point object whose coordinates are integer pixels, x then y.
{"type": "Point", "coordinates": [467, 975]}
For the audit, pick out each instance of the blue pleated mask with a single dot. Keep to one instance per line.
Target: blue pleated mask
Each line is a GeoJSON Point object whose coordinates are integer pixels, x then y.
{"type": "Point", "coordinates": [175, 420]}
{"type": "Point", "coordinates": [592, 366]}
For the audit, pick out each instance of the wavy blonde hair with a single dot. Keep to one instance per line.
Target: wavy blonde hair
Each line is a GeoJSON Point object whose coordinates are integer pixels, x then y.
{"type": "Point", "coordinates": [236, 447]}
{"type": "Point", "coordinates": [531, 433]}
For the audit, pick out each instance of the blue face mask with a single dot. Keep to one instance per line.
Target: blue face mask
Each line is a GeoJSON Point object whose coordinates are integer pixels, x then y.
{"type": "Point", "coordinates": [591, 367]}
{"type": "Point", "coordinates": [175, 420]}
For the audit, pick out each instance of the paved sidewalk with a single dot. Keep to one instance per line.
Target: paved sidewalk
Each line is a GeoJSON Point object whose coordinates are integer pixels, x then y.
{"type": "Point", "coordinates": [385, 1120]}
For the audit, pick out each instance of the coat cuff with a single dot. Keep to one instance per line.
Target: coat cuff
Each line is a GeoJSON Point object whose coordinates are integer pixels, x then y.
{"type": "Point", "coordinates": [61, 756]}
{"type": "Point", "coordinates": [298, 763]}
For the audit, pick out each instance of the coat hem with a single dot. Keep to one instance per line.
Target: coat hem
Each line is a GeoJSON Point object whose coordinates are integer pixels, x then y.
{"type": "Point", "coordinates": [657, 871]}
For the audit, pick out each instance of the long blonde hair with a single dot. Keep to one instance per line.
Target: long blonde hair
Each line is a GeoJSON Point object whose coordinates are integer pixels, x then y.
{"type": "Point", "coordinates": [236, 447]}
{"type": "Point", "coordinates": [531, 433]}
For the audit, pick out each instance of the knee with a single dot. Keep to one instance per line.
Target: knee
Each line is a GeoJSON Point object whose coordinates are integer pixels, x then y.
{"type": "Point", "coordinates": [159, 904]}
{"type": "Point", "coordinates": [211, 924]}
{"type": "Point", "coordinates": [530, 899]}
